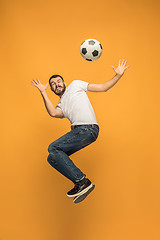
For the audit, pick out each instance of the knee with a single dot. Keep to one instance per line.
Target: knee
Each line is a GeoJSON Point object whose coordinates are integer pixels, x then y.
{"type": "Point", "coordinates": [51, 159]}
{"type": "Point", "coordinates": [51, 147]}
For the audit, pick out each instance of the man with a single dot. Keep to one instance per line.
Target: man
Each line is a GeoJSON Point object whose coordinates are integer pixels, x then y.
{"type": "Point", "coordinates": [74, 104]}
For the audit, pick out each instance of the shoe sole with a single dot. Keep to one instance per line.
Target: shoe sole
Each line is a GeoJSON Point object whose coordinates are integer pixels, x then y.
{"type": "Point", "coordinates": [82, 192]}
{"type": "Point", "coordinates": [81, 197]}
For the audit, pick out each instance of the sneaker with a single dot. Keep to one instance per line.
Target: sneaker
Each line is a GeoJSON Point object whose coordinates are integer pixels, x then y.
{"type": "Point", "coordinates": [81, 197]}
{"type": "Point", "coordinates": [80, 188]}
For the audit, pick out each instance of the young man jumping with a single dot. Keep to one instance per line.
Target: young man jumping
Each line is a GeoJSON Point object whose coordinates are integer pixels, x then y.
{"type": "Point", "coordinates": [74, 104]}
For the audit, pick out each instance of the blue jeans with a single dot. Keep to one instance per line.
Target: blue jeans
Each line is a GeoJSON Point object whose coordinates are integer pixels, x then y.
{"type": "Point", "coordinates": [63, 147]}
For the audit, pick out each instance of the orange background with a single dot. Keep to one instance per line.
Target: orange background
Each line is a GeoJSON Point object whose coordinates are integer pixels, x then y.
{"type": "Point", "coordinates": [42, 38]}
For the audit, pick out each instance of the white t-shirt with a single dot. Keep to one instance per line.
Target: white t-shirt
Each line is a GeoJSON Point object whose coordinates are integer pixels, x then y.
{"type": "Point", "coordinates": [75, 104]}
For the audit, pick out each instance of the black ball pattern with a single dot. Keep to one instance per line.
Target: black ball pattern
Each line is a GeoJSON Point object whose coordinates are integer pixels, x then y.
{"type": "Point", "coordinates": [91, 55]}
{"type": "Point", "coordinates": [84, 51]}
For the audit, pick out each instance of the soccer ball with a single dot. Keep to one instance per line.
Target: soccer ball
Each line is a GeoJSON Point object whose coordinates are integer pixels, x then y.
{"type": "Point", "coordinates": [91, 49]}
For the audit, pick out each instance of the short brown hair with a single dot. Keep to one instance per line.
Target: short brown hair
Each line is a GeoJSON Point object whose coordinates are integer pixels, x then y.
{"type": "Point", "coordinates": [54, 76]}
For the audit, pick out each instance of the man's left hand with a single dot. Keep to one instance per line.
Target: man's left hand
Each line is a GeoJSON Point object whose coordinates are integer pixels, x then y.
{"type": "Point", "coordinates": [121, 67]}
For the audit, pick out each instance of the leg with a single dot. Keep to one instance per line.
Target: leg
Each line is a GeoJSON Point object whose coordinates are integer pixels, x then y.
{"type": "Point", "coordinates": [62, 148]}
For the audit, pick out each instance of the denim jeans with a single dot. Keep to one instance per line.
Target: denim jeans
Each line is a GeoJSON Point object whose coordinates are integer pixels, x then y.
{"type": "Point", "coordinates": [63, 147]}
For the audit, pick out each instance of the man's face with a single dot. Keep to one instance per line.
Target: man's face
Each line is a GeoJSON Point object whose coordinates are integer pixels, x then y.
{"type": "Point", "coordinates": [57, 86]}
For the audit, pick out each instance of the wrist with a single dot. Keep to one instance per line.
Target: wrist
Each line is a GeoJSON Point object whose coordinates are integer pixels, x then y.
{"type": "Point", "coordinates": [43, 92]}
{"type": "Point", "coordinates": [119, 75]}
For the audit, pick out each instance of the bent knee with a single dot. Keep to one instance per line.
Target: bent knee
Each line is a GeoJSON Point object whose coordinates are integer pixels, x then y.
{"type": "Point", "coordinates": [51, 147]}
{"type": "Point", "coordinates": [51, 160]}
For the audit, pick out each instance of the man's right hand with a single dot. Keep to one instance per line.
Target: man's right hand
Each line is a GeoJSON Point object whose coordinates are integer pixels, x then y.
{"type": "Point", "coordinates": [40, 86]}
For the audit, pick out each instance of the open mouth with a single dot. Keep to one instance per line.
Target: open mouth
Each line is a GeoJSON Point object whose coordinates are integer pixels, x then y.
{"type": "Point", "coordinates": [58, 88]}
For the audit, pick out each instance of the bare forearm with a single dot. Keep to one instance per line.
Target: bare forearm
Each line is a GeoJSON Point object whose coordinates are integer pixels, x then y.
{"type": "Point", "coordinates": [107, 85]}
{"type": "Point", "coordinates": [49, 106]}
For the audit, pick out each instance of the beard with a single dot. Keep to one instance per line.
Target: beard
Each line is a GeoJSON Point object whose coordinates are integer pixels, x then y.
{"type": "Point", "coordinates": [61, 91]}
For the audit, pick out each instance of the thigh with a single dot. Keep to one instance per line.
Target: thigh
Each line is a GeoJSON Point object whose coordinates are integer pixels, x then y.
{"type": "Point", "coordinates": [75, 140]}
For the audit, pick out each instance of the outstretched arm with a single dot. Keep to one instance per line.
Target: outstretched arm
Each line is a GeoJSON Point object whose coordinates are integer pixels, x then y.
{"type": "Point", "coordinates": [107, 85]}
{"type": "Point", "coordinates": [53, 112]}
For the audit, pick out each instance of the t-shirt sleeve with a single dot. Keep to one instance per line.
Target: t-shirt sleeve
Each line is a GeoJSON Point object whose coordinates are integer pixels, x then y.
{"type": "Point", "coordinates": [82, 84]}
{"type": "Point", "coordinates": [58, 106]}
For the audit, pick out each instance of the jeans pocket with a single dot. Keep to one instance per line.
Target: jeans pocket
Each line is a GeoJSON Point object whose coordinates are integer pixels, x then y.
{"type": "Point", "coordinates": [83, 130]}
{"type": "Point", "coordinates": [94, 133]}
